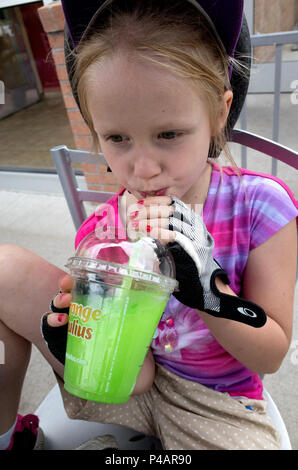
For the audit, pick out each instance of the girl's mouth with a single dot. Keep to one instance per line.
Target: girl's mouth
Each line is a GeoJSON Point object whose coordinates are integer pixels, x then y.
{"type": "Point", "coordinates": [159, 192]}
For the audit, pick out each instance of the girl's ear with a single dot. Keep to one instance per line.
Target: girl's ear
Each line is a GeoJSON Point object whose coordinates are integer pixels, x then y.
{"type": "Point", "coordinates": [226, 106]}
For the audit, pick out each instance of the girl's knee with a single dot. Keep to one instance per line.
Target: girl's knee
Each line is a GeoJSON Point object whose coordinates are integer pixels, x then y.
{"type": "Point", "coordinates": [19, 262]}
{"type": "Point", "coordinates": [26, 280]}
{"type": "Point", "coordinates": [13, 253]}
{"type": "Point", "coordinates": [12, 259]}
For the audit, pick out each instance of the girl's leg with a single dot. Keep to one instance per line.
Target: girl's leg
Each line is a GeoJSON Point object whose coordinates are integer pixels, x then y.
{"type": "Point", "coordinates": [27, 285]}
{"type": "Point", "coordinates": [17, 355]}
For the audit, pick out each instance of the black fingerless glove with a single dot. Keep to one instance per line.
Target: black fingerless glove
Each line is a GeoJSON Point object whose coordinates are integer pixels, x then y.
{"type": "Point", "coordinates": [196, 271]}
{"type": "Point", "coordinates": [55, 336]}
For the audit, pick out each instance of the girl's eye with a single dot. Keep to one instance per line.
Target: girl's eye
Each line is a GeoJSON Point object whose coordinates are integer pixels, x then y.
{"type": "Point", "coordinates": [169, 135]}
{"type": "Point", "coordinates": [117, 139]}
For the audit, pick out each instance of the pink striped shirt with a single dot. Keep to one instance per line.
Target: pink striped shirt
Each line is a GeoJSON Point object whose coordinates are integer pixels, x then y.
{"type": "Point", "coordinates": [240, 213]}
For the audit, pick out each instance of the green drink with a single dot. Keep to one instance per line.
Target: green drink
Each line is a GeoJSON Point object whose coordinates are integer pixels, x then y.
{"type": "Point", "coordinates": [114, 313]}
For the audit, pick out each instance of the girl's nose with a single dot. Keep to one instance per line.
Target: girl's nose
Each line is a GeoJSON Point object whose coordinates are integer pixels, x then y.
{"type": "Point", "coordinates": [146, 167]}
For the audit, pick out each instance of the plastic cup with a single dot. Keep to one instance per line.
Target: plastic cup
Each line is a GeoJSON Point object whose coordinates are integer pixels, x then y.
{"type": "Point", "coordinates": [113, 316]}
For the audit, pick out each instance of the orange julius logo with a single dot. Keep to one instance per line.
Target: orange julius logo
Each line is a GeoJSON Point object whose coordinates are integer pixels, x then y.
{"type": "Point", "coordinates": [84, 314]}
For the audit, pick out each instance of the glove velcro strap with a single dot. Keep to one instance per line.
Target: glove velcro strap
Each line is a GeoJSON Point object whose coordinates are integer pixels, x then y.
{"type": "Point", "coordinates": [55, 337]}
{"type": "Point", "coordinates": [219, 273]}
{"type": "Point", "coordinates": [236, 308]}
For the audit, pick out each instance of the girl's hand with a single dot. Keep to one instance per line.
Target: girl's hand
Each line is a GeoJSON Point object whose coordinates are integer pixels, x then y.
{"type": "Point", "coordinates": [54, 336]}
{"type": "Point", "coordinates": [151, 217]}
{"type": "Point", "coordinates": [146, 375]}
{"type": "Point", "coordinates": [197, 270]}
{"type": "Point", "coordinates": [176, 224]}
{"type": "Point", "coordinates": [60, 304]}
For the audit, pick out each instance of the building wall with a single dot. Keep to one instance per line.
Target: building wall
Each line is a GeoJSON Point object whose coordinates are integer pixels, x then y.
{"type": "Point", "coordinates": [52, 20]}
{"type": "Point", "coordinates": [272, 16]}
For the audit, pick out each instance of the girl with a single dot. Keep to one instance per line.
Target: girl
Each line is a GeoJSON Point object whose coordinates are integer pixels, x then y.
{"type": "Point", "coordinates": [153, 83]}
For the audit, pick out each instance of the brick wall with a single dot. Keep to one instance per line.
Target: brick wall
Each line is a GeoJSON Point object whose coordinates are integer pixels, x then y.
{"type": "Point", "coordinates": [272, 16]}
{"type": "Point", "coordinates": [96, 176]}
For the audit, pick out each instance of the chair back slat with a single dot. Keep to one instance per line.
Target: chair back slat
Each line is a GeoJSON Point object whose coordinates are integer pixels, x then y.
{"type": "Point", "coordinates": [266, 146]}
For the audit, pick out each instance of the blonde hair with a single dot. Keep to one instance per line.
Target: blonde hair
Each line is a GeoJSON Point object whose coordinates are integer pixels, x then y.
{"type": "Point", "coordinates": [176, 39]}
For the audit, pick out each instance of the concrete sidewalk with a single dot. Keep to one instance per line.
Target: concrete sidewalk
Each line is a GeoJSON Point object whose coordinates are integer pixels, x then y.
{"type": "Point", "coordinates": [41, 223]}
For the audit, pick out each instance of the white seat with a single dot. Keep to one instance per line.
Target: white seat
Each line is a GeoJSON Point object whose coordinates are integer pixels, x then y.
{"type": "Point", "coordinates": [278, 421]}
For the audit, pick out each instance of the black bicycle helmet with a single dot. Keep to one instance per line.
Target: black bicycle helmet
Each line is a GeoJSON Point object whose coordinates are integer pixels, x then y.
{"type": "Point", "coordinates": [227, 22]}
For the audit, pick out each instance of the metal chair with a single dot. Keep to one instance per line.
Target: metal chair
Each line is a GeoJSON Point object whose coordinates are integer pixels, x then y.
{"type": "Point", "coordinates": [60, 431]}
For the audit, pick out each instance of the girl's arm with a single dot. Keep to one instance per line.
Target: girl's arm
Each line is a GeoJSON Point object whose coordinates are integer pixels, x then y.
{"type": "Point", "coordinates": [269, 281]}
{"type": "Point", "coordinates": [146, 376]}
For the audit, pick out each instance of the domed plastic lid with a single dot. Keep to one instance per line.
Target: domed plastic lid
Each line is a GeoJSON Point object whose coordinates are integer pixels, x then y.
{"type": "Point", "coordinates": [145, 259]}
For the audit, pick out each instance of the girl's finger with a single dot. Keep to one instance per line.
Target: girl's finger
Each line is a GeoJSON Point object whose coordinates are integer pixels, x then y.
{"type": "Point", "coordinates": [62, 300]}
{"type": "Point", "coordinates": [145, 225]}
{"type": "Point", "coordinates": [153, 211]}
{"type": "Point", "coordinates": [57, 319]}
{"type": "Point", "coordinates": [165, 236]}
{"type": "Point", "coordinates": [66, 283]}
{"type": "Point", "coordinates": [155, 228]}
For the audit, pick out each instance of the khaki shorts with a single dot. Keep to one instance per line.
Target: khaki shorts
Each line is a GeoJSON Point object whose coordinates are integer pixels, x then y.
{"type": "Point", "coordinates": [185, 415]}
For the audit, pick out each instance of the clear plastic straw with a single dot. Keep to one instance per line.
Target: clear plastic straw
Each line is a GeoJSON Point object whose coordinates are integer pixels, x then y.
{"type": "Point", "coordinates": [133, 260]}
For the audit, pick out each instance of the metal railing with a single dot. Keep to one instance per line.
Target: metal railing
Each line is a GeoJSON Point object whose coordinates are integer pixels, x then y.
{"type": "Point", "coordinates": [278, 40]}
